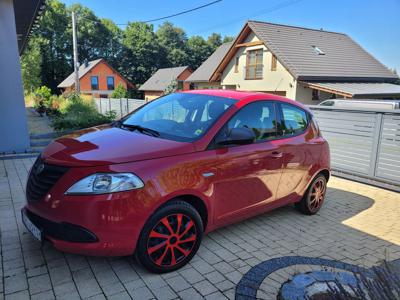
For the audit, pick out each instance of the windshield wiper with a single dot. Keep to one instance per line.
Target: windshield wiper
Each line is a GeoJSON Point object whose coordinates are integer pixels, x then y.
{"type": "Point", "coordinates": [141, 129]}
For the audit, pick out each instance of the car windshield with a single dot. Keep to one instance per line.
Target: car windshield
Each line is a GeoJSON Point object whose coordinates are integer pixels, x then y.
{"type": "Point", "coordinates": [179, 116]}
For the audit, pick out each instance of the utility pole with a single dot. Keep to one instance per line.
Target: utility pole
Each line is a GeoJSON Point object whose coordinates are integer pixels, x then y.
{"type": "Point", "coordinates": [75, 47]}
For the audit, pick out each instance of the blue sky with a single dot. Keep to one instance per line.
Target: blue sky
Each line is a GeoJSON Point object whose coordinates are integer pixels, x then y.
{"type": "Point", "coordinates": [374, 24]}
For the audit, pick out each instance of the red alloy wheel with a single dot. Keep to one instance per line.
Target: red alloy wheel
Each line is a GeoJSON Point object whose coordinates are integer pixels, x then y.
{"type": "Point", "coordinates": [171, 240]}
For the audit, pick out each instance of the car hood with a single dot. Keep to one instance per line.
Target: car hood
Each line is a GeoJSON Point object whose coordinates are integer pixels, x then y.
{"type": "Point", "coordinates": [104, 145]}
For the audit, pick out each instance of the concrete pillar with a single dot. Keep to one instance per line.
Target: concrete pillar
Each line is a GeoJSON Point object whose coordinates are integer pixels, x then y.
{"type": "Point", "coordinates": [14, 134]}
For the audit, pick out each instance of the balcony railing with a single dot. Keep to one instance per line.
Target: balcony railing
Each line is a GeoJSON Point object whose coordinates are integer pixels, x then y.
{"type": "Point", "coordinates": [253, 72]}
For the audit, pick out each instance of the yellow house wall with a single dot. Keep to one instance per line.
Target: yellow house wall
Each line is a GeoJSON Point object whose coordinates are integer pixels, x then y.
{"type": "Point", "coordinates": [279, 80]}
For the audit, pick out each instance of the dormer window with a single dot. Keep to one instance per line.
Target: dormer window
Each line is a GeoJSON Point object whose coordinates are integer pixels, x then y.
{"type": "Point", "coordinates": [318, 51]}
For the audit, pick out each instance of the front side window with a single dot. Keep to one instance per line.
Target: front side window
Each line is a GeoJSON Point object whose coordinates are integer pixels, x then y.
{"type": "Point", "coordinates": [254, 64]}
{"type": "Point", "coordinates": [94, 82]}
{"type": "Point", "coordinates": [110, 83]}
{"type": "Point", "coordinates": [260, 117]}
{"type": "Point", "coordinates": [294, 120]}
{"type": "Point", "coordinates": [180, 116]}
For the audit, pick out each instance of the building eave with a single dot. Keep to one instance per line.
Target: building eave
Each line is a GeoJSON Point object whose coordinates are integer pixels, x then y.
{"type": "Point", "coordinates": [27, 14]}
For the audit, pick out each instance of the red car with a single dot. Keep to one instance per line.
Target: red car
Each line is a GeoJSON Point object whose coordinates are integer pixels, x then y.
{"type": "Point", "coordinates": [152, 183]}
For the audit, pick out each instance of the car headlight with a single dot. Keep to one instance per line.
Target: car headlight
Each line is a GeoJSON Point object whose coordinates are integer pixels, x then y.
{"type": "Point", "coordinates": [103, 183]}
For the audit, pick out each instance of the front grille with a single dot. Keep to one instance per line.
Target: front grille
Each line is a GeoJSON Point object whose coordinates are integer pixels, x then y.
{"type": "Point", "coordinates": [42, 178]}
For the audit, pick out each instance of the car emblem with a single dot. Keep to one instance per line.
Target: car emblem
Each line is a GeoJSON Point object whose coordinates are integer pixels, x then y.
{"type": "Point", "coordinates": [39, 169]}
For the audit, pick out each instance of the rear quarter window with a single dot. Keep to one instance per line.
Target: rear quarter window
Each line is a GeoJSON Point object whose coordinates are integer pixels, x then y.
{"type": "Point", "coordinates": [294, 120]}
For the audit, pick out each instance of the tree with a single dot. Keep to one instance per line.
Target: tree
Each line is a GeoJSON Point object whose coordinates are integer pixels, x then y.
{"type": "Point", "coordinates": [171, 37]}
{"type": "Point", "coordinates": [54, 45]}
{"type": "Point", "coordinates": [31, 65]}
{"type": "Point", "coordinates": [114, 48]}
{"type": "Point", "coordinates": [136, 51]}
{"type": "Point", "coordinates": [227, 39]}
{"type": "Point", "coordinates": [119, 92]}
{"type": "Point", "coordinates": [171, 88]}
{"type": "Point", "coordinates": [143, 54]}
{"type": "Point", "coordinates": [173, 40]}
{"type": "Point", "coordinates": [198, 50]}
{"type": "Point", "coordinates": [214, 40]}
{"type": "Point", "coordinates": [96, 38]}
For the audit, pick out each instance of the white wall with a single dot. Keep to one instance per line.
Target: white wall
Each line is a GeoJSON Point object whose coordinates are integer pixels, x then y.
{"type": "Point", "coordinates": [279, 80]}
{"type": "Point", "coordinates": [13, 124]}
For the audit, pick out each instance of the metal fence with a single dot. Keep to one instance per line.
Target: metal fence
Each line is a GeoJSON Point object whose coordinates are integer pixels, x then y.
{"type": "Point", "coordinates": [121, 106]}
{"type": "Point", "coordinates": [364, 143]}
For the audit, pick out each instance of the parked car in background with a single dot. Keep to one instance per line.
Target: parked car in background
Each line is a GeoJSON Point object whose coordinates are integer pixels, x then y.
{"type": "Point", "coordinates": [372, 104]}
{"type": "Point", "coordinates": [180, 166]}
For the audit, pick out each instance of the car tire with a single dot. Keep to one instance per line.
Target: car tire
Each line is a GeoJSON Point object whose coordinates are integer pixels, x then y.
{"type": "Point", "coordinates": [170, 238]}
{"type": "Point", "coordinates": [314, 197]}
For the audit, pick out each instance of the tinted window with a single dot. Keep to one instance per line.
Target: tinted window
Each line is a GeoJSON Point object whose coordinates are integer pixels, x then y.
{"type": "Point", "coordinates": [94, 80]}
{"type": "Point", "coordinates": [294, 119]}
{"type": "Point", "coordinates": [180, 116]}
{"type": "Point", "coordinates": [259, 117]}
{"type": "Point", "coordinates": [110, 82]}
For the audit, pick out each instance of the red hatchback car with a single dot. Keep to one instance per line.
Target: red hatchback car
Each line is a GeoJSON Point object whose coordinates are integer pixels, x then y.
{"type": "Point", "coordinates": [152, 183]}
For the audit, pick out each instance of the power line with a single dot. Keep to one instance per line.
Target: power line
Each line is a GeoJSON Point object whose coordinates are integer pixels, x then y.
{"type": "Point", "coordinates": [183, 12]}
{"type": "Point", "coordinates": [165, 17]}
{"type": "Point", "coordinates": [279, 6]}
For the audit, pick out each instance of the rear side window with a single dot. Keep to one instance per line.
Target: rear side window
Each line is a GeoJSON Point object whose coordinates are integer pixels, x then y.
{"type": "Point", "coordinates": [294, 120]}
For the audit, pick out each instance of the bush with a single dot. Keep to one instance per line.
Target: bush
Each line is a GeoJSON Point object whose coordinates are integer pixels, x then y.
{"type": "Point", "coordinates": [119, 92]}
{"type": "Point", "coordinates": [42, 96]}
{"type": "Point", "coordinates": [78, 113]}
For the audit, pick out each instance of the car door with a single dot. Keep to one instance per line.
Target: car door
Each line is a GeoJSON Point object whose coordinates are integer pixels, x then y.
{"type": "Point", "coordinates": [295, 133]}
{"type": "Point", "coordinates": [248, 175]}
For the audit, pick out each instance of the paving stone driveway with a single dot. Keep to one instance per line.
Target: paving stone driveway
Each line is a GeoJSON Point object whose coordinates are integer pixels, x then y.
{"type": "Point", "coordinates": [359, 224]}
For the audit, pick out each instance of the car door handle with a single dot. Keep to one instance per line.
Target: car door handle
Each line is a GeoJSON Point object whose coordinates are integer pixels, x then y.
{"type": "Point", "coordinates": [276, 154]}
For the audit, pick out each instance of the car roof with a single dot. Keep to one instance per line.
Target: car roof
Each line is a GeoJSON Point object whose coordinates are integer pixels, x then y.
{"type": "Point", "coordinates": [245, 97]}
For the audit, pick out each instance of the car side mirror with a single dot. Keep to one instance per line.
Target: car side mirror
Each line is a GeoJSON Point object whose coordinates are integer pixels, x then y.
{"type": "Point", "coordinates": [237, 136]}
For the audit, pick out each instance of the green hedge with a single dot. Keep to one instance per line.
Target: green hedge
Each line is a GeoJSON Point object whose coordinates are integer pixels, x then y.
{"type": "Point", "coordinates": [78, 114]}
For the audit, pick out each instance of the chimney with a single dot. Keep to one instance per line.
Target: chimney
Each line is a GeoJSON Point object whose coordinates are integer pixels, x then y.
{"type": "Point", "coordinates": [86, 63]}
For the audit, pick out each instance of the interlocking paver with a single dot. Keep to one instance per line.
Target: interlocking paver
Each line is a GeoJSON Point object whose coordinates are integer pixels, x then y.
{"type": "Point", "coordinates": [49, 295]}
{"type": "Point", "coordinates": [178, 283]}
{"type": "Point", "coordinates": [112, 289]}
{"type": "Point", "coordinates": [205, 287]}
{"type": "Point", "coordinates": [191, 275]}
{"type": "Point", "coordinates": [15, 283]}
{"type": "Point", "coordinates": [358, 224]}
{"type": "Point", "coordinates": [190, 294]}
{"type": "Point", "coordinates": [18, 296]}
{"type": "Point", "coordinates": [86, 283]}
{"type": "Point", "coordinates": [141, 293]}
{"type": "Point", "coordinates": [39, 284]}
{"type": "Point", "coordinates": [164, 293]}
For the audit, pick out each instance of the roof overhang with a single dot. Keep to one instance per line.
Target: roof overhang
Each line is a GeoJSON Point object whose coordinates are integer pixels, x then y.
{"type": "Point", "coordinates": [356, 90]}
{"type": "Point", "coordinates": [216, 76]}
{"type": "Point", "coordinates": [26, 15]}
{"type": "Point", "coordinates": [238, 43]}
